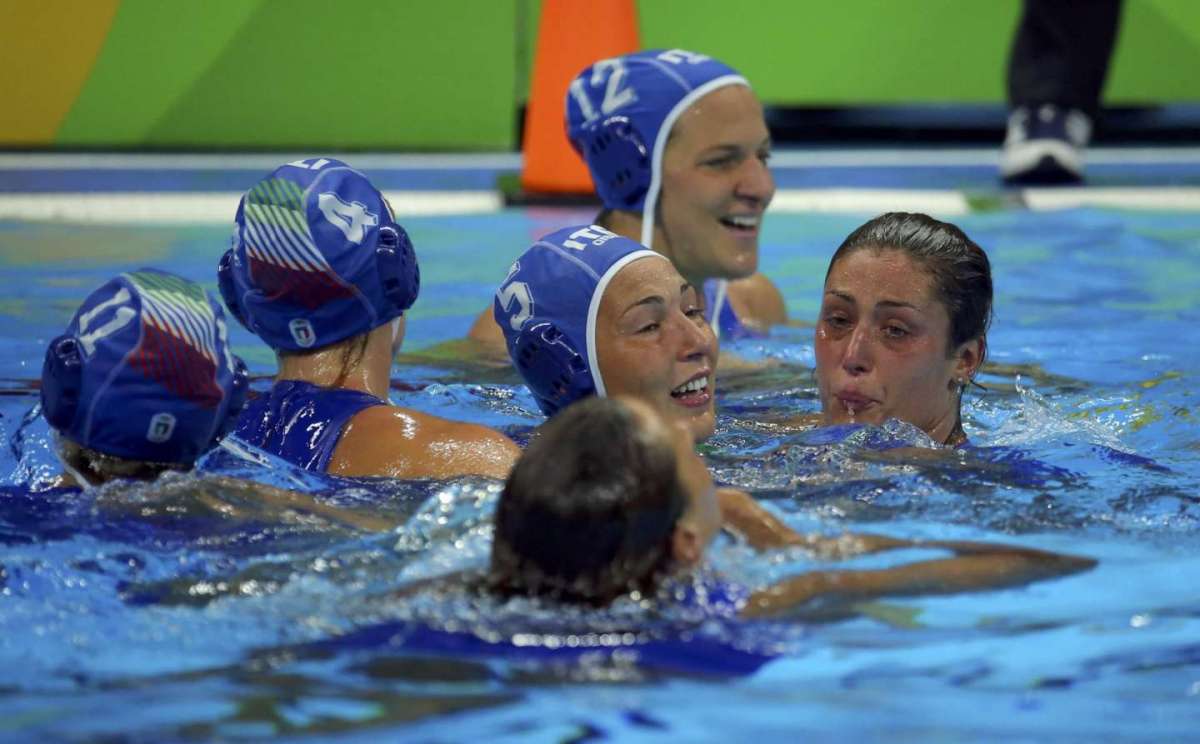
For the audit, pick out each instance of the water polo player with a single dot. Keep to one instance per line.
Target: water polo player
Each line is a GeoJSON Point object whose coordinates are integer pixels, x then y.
{"type": "Point", "coordinates": [587, 312]}
{"type": "Point", "coordinates": [677, 148]}
{"type": "Point", "coordinates": [320, 270]}
{"type": "Point", "coordinates": [612, 501]}
{"type": "Point", "coordinates": [903, 324]}
{"type": "Point", "coordinates": [142, 381]}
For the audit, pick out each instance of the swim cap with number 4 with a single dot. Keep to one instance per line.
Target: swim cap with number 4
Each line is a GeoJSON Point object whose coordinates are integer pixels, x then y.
{"type": "Point", "coordinates": [316, 257]}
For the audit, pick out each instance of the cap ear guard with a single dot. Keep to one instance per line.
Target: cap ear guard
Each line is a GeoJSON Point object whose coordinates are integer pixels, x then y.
{"type": "Point", "coordinates": [399, 274]}
{"type": "Point", "coordinates": [228, 287]}
{"type": "Point", "coordinates": [62, 380]}
{"type": "Point", "coordinates": [238, 387]}
{"type": "Point", "coordinates": [553, 368]}
{"type": "Point", "coordinates": [619, 161]}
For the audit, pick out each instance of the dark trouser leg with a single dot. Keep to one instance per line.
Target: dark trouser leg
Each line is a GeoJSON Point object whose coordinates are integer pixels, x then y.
{"type": "Point", "coordinates": [1061, 53]}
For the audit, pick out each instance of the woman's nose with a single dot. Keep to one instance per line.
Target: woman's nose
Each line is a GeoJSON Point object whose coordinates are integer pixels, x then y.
{"type": "Point", "coordinates": [697, 339]}
{"type": "Point", "coordinates": [857, 358]}
{"type": "Point", "coordinates": [755, 181]}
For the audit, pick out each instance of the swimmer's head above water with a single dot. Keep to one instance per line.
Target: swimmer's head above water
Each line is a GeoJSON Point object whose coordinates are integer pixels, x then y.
{"type": "Point", "coordinates": [142, 380]}
{"type": "Point", "coordinates": [903, 324]}
{"type": "Point", "coordinates": [612, 499]}
{"type": "Point", "coordinates": [587, 312]}
{"type": "Point", "coordinates": [316, 258]}
{"type": "Point", "coordinates": [606, 501]}
{"type": "Point", "coordinates": [677, 148]}
{"type": "Point", "coordinates": [321, 271]}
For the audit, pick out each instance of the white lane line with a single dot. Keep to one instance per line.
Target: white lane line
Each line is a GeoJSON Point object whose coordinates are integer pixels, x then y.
{"type": "Point", "coordinates": [420, 203]}
{"type": "Point", "coordinates": [208, 208]}
{"type": "Point", "coordinates": [781, 158]}
{"type": "Point", "coordinates": [217, 208]}
{"type": "Point", "coordinates": [262, 162]}
{"type": "Point", "coordinates": [985, 157]}
{"type": "Point", "coordinates": [1165, 197]}
{"type": "Point", "coordinates": [884, 158]}
{"type": "Point", "coordinates": [871, 201]}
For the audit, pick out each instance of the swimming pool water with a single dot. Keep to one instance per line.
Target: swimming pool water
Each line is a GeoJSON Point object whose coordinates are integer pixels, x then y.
{"type": "Point", "coordinates": [158, 615]}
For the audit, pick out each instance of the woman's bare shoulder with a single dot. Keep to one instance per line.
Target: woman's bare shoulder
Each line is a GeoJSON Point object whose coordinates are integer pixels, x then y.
{"type": "Point", "coordinates": [403, 443]}
{"type": "Point", "coordinates": [757, 301]}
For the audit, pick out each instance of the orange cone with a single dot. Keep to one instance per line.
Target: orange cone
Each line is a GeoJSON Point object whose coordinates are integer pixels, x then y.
{"type": "Point", "coordinates": [572, 34]}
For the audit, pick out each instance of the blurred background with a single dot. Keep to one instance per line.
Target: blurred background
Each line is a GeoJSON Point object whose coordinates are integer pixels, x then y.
{"type": "Point", "coordinates": [454, 75]}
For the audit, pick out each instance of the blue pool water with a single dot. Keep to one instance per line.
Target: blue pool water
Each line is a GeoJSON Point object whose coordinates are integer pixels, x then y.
{"type": "Point", "coordinates": [159, 614]}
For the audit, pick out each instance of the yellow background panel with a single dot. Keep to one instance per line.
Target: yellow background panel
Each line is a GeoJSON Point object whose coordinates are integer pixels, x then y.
{"type": "Point", "coordinates": [46, 51]}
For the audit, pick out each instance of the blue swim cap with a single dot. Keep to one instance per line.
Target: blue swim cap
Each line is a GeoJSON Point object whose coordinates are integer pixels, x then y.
{"type": "Point", "coordinates": [144, 370]}
{"type": "Point", "coordinates": [547, 308]}
{"type": "Point", "coordinates": [620, 113]}
{"type": "Point", "coordinates": [316, 257]}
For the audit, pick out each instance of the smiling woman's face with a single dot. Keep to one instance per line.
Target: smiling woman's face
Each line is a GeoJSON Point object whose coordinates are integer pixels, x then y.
{"type": "Point", "coordinates": [716, 186]}
{"type": "Point", "coordinates": [882, 345]}
{"type": "Point", "coordinates": [652, 343]}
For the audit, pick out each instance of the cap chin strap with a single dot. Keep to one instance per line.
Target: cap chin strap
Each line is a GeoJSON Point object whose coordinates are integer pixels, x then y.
{"type": "Point", "coordinates": [395, 347]}
{"type": "Point", "coordinates": [660, 146]}
{"type": "Point", "coordinates": [80, 479]}
{"type": "Point", "coordinates": [594, 312]}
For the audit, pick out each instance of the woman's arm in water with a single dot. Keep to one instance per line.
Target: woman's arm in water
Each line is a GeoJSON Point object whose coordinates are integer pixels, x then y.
{"type": "Point", "coordinates": [740, 513]}
{"type": "Point", "coordinates": [235, 499]}
{"type": "Point", "coordinates": [486, 340]}
{"type": "Point", "coordinates": [482, 349]}
{"type": "Point", "coordinates": [978, 566]}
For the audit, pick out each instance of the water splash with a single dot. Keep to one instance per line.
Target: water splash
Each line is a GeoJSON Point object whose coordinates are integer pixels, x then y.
{"type": "Point", "coordinates": [1035, 420]}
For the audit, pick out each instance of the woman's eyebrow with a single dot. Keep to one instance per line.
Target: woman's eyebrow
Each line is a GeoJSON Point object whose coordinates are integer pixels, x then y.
{"type": "Point", "coordinates": [896, 303]}
{"type": "Point", "coordinates": [722, 149]}
{"type": "Point", "coordinates": [647, 300]}
{"type": "Point", "coordinates": [736, 148]}
{"type": "Point", "coordinates": [886, 304]}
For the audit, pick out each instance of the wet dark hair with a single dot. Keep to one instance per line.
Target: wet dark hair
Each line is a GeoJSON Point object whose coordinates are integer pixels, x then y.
{"type": "Point", "coordinates": [962, 274]}
{"type": "Point", "coordinates": [99, 467]}
{"type": "Point", "coordinates": [589, 510]}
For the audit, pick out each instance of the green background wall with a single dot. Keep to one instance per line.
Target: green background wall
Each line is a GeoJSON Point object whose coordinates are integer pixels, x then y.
{"type": "Point", "coordinates": [408, 75]}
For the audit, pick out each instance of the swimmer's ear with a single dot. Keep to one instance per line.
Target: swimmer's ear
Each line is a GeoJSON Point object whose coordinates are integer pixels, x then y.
{"type": "Point", "coordinates": [686, 547]}
{"type": "Point", "coordinates": [969, 358]}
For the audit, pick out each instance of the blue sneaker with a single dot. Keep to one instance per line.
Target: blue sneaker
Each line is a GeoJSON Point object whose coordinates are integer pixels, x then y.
{"type": "Point", "coordinates": [1045, 146]}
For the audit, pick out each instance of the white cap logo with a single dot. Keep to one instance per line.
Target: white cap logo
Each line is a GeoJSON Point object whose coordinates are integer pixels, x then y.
{"type": "Point", "coordinates": [303, 332]}
{"type": "Point", "coordinates": [593, 234]}
{"type": "Point", "coordinates": [162, 426]}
